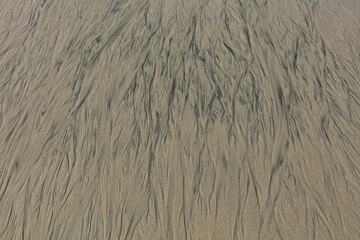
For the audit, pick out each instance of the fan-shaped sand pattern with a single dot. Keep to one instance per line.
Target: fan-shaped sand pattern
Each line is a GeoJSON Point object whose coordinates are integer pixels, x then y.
{"type": "Point", "coordinates": [179, 119]}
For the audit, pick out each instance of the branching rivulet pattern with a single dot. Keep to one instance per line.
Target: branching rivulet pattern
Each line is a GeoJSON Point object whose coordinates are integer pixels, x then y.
{"type": "Point", "coordinates": [175, 120]}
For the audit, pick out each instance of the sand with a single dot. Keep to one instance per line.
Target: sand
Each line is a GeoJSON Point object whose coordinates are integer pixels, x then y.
{"type": "Point", "coordinates": [179, 119]}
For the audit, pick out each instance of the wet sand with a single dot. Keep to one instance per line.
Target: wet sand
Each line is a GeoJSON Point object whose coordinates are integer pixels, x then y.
{"type": "Point", "coordinates": [179, 119]}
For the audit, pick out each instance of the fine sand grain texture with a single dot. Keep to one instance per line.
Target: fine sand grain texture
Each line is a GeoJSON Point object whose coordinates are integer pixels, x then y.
{"type": "Point", "coordinates": [179, 120]}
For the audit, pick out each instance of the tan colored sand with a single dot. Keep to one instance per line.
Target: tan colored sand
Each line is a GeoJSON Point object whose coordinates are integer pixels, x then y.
{"type": "Point", "coordinates": [169, 119]}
